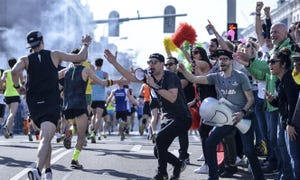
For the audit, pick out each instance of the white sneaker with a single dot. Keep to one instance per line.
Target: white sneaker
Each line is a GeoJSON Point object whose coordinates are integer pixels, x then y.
{"type": "Point", "coordinates": [241, 162]}
{"type": "Point", "coordinates": [33, 174]}
{"type": "Point", "coordinates": [202, 169]}
{"type": "Point", "coordinates": [48, 176]}
{"type": "Point", "coordinates": [201, 158]}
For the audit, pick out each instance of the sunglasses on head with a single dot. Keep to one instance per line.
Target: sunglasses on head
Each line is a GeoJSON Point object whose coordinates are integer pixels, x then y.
{"type": "Point", "coordinates": [152, 62]}
{"type": "Point", "coordinates": [273, 61]}
{"type": "Point", "coordinates": [169, 64]}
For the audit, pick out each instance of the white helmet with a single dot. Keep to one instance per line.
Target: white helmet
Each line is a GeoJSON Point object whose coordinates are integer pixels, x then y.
{"type": "Point", "coordinates": [217, 113]}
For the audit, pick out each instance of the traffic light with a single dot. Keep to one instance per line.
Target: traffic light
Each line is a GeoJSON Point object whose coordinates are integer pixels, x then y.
{"type": "Point", "coordinates": [113, 24]}
{"type": "Point", "coordinates": [169, 22]}
{"type": "Point", "coordinates": [232, 31]}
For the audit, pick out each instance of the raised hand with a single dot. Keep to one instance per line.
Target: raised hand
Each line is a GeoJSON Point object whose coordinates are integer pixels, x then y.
{"type": "Point", "coordinates": [111, 58]}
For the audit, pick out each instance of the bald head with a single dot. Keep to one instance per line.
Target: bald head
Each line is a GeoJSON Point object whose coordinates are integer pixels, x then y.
{"type": "Point", "coordinates": [279, 32]}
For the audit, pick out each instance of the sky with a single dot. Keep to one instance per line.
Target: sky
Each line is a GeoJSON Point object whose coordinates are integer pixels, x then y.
{"type": "Point", "coordinates": [146, 36]}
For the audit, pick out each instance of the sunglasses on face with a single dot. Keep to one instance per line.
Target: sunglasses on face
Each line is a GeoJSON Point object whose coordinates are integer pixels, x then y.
{"type": "Point", "coordinates": [152, 62]}
{"type": "Point", "coordinates": [170, 64]}
{"type": "Point", "coordinates": [223, 59]}
{"type": "Point", "coordinates": [247, 46]}
{"type": "Point", "coordinates": [195, 52]}
{"type": "Point", "coordinates": [273, 61]}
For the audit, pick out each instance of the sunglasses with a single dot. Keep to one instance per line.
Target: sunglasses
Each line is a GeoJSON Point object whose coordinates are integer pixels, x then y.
{"type": "Point", "coordinates": [196, 52]}
{"type": "Point", "coordinates": [152, 62]}
{"type": "Point", "coordinates": [247, 46]}
{"type": "Point", "coordinates": [224, 59]}
{"type": "Point", "coordinates": [170, 64]}
{"type": "Point", "coordinates": [273, 61]}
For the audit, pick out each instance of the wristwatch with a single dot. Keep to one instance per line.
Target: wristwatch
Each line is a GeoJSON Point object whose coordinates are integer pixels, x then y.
{"type": "Point", "coordinates": [16, 86]}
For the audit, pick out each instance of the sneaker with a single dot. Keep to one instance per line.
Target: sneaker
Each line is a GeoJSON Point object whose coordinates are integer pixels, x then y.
{"type": "Point", "coordinates": [177, 170]}
{"type": "Point", "coordinates": [202, 169]}
{"type": "Point", "coordinates": [5, 132]}
{"type": "Point", "coordinates": [30, 137]}
{"type": "Point", "coordinates": [33, 174]}
{"type": "Point", "coordinates": [186, 160]}
{"type": "Point", "coordinates": [241, 161]}
{"type": "Point", "coordinates": [160, 176]}
{"type": "Point", "coordinates": [76, 165]}
{"type": "Point", "coordinates": [68, 138]}
{"type": "Point", "coordinates": [229, 172]}
{"type": "Point", "coordinates": [48, 176]}
{"type": "Point", "coordinates": [122, 136]}
{"type": "Point", "coordinates": [201, 158]}
{"type": "Point", "coordinates": [61, 138]}
{"type": "Point", "coordinates": [26, 126]}
{"type": "Point", "coordinates": [153, 138]}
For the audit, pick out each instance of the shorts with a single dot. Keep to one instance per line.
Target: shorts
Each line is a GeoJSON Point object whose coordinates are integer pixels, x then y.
{"type": "Point", "coordinates": [2, 110]}
{"type": "Point", "coordinates": [146, 108]}
{"type": "Point", "coordinates": [98, 104]}
{"type": "Point", "coordinates": [122, 115]}
{"type": "Point", "coordinates": [73, 113]}
{"type": "Point", "coordinates": [154, 104]}
{"type": "Point", "coordinates": [110, 112]}
{"type": "Point", "coordinates": [88, 98]}
{"type": "Point", "coordinates": [12, 99]}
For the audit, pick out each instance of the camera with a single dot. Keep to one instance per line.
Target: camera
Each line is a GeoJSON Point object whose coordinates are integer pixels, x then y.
{"type": "Point", "coordinates": [140, 74]}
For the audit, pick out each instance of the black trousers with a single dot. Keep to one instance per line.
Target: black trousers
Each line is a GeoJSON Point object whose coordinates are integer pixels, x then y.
{"type": "Point", "coordinates": [170, 129]}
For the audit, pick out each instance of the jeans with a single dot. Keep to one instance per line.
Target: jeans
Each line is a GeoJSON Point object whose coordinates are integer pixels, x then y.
{"type": "Point", "coordinates": [204, 132]}
{"type": "Point", "coordinates": [248, 138]}
{"type": "Point", "coordinates": [286, 166]}
{"type": "Point", "coordinates": [170, 129]}
{"type": "Point", "coordinates": [260, 126]}
{"type": "Point", "coordinates": [294, 149]}
{"type": "Point", "coordinates": [272, 120]}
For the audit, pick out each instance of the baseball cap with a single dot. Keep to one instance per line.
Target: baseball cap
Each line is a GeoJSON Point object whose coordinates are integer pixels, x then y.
{"type": "Point", "coordinates": [223, 52]}
{"type": "Point", "coordinates": [158, 56]}
{"type": "Point", "coordinates": [34, 39]}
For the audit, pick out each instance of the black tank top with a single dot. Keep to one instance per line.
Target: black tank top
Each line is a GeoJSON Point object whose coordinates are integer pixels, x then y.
{"type": "Point", "coordinates": [42, 78]}
{"type": "Point", "coordinates": [74, 89]}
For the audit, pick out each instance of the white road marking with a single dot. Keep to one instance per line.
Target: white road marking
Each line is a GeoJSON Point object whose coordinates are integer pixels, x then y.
{"type": "Point", "coordinates": [53, 160]}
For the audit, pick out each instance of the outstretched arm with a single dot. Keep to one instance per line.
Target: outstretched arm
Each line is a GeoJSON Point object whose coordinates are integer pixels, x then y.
{"type": "Point", "coordinates": [190, 77]}
{"type": "Point", "coordinates": [113, 60]}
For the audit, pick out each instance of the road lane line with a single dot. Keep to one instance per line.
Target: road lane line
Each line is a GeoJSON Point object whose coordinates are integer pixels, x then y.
{"type": "Point", "coordinates": [136, 148]}
{"type": "Point", "coordinates": [53, 160]}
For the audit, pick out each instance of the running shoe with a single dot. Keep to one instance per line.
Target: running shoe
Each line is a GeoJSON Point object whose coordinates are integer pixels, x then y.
{"type": "Point", "coordinates": [68, 138]}
{"type": "Point", "coordinates": [26, 126]}
{"type": "Point", "coordinates": [122, 136]}
{"type": "Point", "coordinates": [160, 176]}
{"type": "Point", "coordinates": [48, 176]}
{"type": "Point", "coordinates": [201, 158]}
{"type": "Point", "coordinates": [177, 170]}
{"type": "Point", "coordinates": [202, 169]}
{"type": "Point", "coordinates": [76, 165]}
{"type": "Point", "coordinates": [153, 138]}
{"type": "Point", "coordinates": [33, 174]}
{"type": "Point", "coordinates": [5, 132]}
{"type": "Point", "coordinates": [93, 137]}
{"type": "Point", "coordinates": [30, 137]}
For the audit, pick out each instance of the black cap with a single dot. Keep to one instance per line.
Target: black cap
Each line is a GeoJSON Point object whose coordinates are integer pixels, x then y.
{"type": "Point", "coordinates": [223, 52]}
{"type": "Point", "coordinates": [34, 39]}
{"type": "Point", "coordinates": [158, 56]}
{"type": "Point", "coordinates": [296, 58]}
